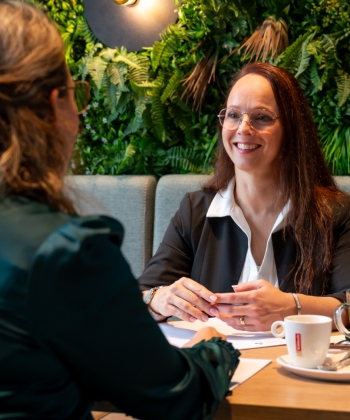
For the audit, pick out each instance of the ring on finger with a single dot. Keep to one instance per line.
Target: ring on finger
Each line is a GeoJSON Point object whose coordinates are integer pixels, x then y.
{"type": "Point", "coordinates": [241, 320]}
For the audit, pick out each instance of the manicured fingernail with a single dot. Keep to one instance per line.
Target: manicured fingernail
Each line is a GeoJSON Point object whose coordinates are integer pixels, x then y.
{"type": "Point", "coordinates": [214, 311]}
{"type": "Point", "coordinates": [205, 318]}
{"type": "Point", "coordinates": [213, 298]}
{"type": "Point", "coordinates": [192, 319]}
{"type": "Point", "coordinates": [235, 286]}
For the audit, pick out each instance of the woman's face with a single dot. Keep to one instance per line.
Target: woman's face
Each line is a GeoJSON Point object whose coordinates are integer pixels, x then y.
{"type": "Point", "coordinates": [251, 150]}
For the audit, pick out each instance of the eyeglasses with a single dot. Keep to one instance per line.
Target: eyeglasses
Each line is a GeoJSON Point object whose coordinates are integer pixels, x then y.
{"type": "Point", "coordinates": [81, 94]}
{"type": "Point", "coordinates": [259, 118]}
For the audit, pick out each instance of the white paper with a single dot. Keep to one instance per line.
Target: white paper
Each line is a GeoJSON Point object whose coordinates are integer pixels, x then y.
{"type": "Point", "coordinates": [338, 338]}
{"type": "Point", "coordinates": [179, 332]}
{"type": "Point", "coordinates": [246, 369]}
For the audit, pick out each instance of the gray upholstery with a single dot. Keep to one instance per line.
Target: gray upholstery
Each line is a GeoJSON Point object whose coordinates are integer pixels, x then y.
{"type": "Point", "coordinates": [128, 198]}
{"type": "Point", "coordinates": [143, 206]}
{"type": "Point", "coordinates": [343, 183]}
{"type": "Point", "coordinates": [170, 191]}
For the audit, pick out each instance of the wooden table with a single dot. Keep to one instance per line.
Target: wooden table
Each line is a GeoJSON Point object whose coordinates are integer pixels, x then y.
{"type": "Point", "coordinates": [276, 394]}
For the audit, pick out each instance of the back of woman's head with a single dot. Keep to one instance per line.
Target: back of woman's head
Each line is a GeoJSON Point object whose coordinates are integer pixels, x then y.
{"type": "Point", "coordinates": [31, 65]}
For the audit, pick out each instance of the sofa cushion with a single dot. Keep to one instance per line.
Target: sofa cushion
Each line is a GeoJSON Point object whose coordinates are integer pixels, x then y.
{"type": "Point", "coordinates": [170, 191]}
{"type": "Point", "coordinates": [343, 183]}
{"type": "Point", "coordinates": [128, 198]}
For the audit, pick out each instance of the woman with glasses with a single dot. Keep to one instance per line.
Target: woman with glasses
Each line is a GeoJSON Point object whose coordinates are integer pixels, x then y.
{"type": "Point", "coordinates": [269, 235]}
{"type": "Point", "coordinates": [73, 326]}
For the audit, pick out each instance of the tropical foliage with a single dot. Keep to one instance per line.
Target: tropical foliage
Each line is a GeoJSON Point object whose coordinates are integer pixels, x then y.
{"type": "Point", "coordinates": [155, 111]}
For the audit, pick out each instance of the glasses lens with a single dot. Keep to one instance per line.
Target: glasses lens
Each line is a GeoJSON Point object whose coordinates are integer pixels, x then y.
{"type": "Point", "coordinates": [81, 96]}
{"type": "Point", "coordinates": [229, 118]}
{"type": "Point", "coordinates": [261, 118]}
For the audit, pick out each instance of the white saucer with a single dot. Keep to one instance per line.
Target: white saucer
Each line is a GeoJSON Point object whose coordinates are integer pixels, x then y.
{"type": "Point", "coordinates": [341, 375]}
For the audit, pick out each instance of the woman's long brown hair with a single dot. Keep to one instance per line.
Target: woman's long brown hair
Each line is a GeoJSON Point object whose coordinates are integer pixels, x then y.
{"type": "Point", "coordinates": [304, 177]}
{"type": "Point", "coordinates": [32, 153]}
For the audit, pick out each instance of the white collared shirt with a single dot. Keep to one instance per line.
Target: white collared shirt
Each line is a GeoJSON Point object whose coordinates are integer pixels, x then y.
{"type": "Point", "coordinates": [224, 204]}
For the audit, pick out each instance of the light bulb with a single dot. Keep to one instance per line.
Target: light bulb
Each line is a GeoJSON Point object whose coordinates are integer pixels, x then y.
{"type": "Point", "coordinates": [126, 2]}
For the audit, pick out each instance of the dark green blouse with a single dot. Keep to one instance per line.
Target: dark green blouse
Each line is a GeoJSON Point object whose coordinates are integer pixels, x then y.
{"type": "Point", "coordinates": [73, 327]}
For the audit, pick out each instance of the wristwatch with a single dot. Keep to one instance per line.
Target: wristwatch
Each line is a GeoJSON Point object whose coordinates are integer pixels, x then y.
{"type": "Point", "coordinates": [148, 298]}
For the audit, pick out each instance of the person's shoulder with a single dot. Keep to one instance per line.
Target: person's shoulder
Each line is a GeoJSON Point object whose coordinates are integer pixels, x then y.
{"type": "Point", "coordinates": [82, 227]}
{"type": "Point", "coordinates": [86, 241]}
{"type": "Point", "coordinates": [341, 210]}
{"type": "Point", "coordinates": [200, 199]}
{"type": "Point", "coordinates": [27, 221]}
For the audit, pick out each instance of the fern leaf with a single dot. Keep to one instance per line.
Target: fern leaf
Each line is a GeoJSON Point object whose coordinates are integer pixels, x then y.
{"type": "Point", "coordinates": [305, 55]}
{"type": "Point", "coordinates": [165, 48]}
{"type": "Point", "coordinates": [141, 73]}
{"type": "Point", "coordinates": [179, 118]}
{"type": "Point", "coordinates": [96, 67]}
{"type": "Point", "coordinates": [86, 32]}
{"type": "Point", "coordinates": [328, 45]}
{"type": "Point", "coordinates": [116, 72]}
{"type": "Point", "coordinates": [343, 85]}
{"type": "Point", "coordinates": [121, 99]}
{"type": "Point", "coordinates": [127, 60]}
{"type": "Point", "coordinates": [137, 122]}
{"type": "Point", "coordinates": [144, 88]}
{"type": "Point", "coordinates": [108, 54]}
{"type": "Point", "coordinates": [172, 85]}
{"type": "Point", "coordinates": [157, 112]}
{"type": "Point", "coordinates": [314, 77]}
{"type": "Point", "coordinates": [290, 58]}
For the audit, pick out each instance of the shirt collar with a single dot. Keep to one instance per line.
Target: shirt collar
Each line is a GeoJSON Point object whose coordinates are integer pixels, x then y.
{"type": "Point", "coordinates": [224, 204]}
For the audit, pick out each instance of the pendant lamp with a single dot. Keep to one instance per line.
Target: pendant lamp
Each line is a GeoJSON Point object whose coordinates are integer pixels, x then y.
{"type": "Point", "coordinates": [133, 24]}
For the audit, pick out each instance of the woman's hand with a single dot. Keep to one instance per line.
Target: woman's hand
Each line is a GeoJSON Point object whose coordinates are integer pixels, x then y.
{"type": "Point", "coordinates": [257, 302]}
{"type": "Point", "coordinates": [185, 299]}
{"type": "Point", "coordinates": [205, 333]}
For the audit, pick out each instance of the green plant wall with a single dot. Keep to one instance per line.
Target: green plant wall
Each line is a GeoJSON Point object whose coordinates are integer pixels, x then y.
{"type": "Point", "coordinates": [146, 116]}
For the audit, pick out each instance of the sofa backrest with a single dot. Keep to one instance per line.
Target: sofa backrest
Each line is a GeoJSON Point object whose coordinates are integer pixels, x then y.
{"type": "Point", "coordinates": [142, 205]}
{"type": "Point", "coordinates": [169, 193]}
{"type": "Point", "coordinates": [128, 198]}
{"type": "Point", "coordinates": [343, 183]}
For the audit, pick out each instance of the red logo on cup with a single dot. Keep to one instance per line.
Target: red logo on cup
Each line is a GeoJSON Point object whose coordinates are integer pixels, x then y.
{"type": "Point", "coordinates": [298, 342]}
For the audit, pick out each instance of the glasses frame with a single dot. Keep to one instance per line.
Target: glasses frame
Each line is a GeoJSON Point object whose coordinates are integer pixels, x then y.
{"type": "Point", "coordinates": [241, 118]}
{"type": "Point", "coordinates": [87, 87]}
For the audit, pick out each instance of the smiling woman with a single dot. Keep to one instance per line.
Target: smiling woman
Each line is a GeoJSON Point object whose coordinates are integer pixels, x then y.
{"type": "Point", "coordinates": [270, 223]}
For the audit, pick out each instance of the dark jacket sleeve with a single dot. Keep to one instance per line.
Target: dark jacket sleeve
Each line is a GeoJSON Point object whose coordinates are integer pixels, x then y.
{"type": "Point", "coordinates": [86, 308]}
{"type": "Point", "coordinates": [340, 275]}
{"type": "Point", "coordinates": [175, 255]}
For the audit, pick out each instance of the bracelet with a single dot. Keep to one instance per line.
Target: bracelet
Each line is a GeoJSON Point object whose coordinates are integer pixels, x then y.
{"type": "Point", "coordinates": [297, 302]}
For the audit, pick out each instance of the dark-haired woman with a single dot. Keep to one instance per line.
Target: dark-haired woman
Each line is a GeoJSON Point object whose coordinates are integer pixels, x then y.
{"type": "Point", "coordinates": [269, 235]}
{"type": "Point", "coordinates": [73, 327]}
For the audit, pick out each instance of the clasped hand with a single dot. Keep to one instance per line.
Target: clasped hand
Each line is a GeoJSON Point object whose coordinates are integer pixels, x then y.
{"type": "Point", "coordinates": [185, 299]}
{"type": "Point", "coordinates": [257, 301]}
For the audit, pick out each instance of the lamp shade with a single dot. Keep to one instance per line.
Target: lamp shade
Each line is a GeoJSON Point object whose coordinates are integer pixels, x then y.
{"type": "Point", "coordinates": [132, 27]}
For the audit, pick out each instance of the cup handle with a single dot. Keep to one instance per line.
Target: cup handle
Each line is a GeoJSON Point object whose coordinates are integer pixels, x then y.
{"type": "Point", "coordinates": [338, 320]}
{"type": "Point", "coordinates": [274, 327]}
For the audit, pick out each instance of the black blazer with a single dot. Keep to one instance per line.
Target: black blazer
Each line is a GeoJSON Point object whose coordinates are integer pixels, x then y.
{"type": "Point", "coordinates": [212, 251]}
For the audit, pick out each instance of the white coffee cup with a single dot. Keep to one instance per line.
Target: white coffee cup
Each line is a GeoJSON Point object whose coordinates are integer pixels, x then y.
{"type": "Point", "coordinates": [307, 337]}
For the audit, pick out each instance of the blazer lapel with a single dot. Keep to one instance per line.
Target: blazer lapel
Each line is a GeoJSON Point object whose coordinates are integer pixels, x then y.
{"type": "Point", "coordinates": [285, 254]}
{"type": "Point", "coordinates": [221, 254]}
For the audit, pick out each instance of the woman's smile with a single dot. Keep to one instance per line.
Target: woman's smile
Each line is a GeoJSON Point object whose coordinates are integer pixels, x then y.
{"type": "Point", "coordinates": [246, 147]}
